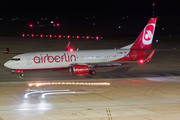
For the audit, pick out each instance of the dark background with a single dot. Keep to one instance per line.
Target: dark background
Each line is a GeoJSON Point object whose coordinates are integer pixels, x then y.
{"type": "Point", "coordinates": [76, 17]}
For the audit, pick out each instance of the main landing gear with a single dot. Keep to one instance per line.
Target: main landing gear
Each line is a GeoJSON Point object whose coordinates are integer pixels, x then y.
{"type": "Point", "coordinates": [92, 72]}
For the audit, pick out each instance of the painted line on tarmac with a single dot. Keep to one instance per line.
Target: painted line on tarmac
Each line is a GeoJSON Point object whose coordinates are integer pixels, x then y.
{"type": "Point", "coordinates": [105, 77]}
{"type": "Point", "coordinates": [163, 79]}
{"type": "Point", "coordinates": [88, 76]}
{"type": "Point", "coordinates": [116, 76]}
{"type": "Point", "coordinates": [1, 118]}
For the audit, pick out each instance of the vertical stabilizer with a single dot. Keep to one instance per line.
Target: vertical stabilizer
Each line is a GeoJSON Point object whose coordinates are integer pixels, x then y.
{"type": "Point", "coordinates": [144, 40]}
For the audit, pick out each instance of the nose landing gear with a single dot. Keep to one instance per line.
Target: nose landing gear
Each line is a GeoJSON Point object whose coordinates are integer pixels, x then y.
{"type": "Point", "coordinates": [22, 74]}
{"type": "Point", "coordinates": [18, 71]}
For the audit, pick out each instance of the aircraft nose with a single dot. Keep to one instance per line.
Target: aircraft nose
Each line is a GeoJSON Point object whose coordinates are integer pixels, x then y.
{"type": "Point", "coordinates": [8, 64]}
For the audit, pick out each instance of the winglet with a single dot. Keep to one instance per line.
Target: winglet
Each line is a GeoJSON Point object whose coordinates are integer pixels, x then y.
{"type": "Point", "coordinates": [68, 46]}
{"type": "Point", "coordinates": [150, 56]}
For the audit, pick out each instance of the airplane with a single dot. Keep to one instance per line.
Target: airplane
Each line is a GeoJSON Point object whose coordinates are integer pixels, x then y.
{"type": "Point", "coordinates": [86, 61]}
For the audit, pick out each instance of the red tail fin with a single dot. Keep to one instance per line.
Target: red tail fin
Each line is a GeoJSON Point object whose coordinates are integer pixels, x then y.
{"type": "Point", "coordinates": [144, 40]}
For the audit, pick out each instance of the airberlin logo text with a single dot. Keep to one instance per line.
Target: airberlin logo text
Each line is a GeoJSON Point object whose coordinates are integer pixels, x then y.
{"type": "Point", "coordinates": [49, 58]}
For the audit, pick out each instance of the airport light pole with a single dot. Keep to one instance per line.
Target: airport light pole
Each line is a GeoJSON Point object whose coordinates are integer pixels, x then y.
{"type": "Point", "coordinates": [153, 9]}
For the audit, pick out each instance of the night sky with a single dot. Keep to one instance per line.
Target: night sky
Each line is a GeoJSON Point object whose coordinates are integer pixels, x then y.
{"type": "Point", "coordinates": [66, 8]}
{"type": "Point", "coordinates": [102, 12]}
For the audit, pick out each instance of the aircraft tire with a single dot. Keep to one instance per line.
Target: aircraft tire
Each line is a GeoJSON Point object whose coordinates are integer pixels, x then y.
{"type": "Point", "coordinates": [93, 72]}
{"type": "Point", "coordinates": [22, 74]}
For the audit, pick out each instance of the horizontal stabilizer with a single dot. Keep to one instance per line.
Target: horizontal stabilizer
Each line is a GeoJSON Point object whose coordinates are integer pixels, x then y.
{"type": "Point", "coordinates": [150, 56]}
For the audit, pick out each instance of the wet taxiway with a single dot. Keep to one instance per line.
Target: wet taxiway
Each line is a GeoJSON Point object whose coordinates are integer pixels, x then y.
{"type": "Point", "coordinates": [136, 92]}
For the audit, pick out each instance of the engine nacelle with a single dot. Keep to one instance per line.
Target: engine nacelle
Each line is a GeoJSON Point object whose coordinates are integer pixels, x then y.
{"type": "Point", "coordinates": [78, 69]}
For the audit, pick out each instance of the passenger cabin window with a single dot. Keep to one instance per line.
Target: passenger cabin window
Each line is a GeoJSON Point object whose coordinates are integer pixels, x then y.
{"type": "Point", "coordinates": [15, 59]}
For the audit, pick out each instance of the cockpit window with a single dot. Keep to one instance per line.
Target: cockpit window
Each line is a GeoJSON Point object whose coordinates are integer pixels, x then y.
{"type": "Point", "coordinates": [15, 59]}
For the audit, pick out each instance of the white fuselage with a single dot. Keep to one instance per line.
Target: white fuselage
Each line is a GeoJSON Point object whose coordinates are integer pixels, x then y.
{"type": "Point", "coordinates": [63, 59]}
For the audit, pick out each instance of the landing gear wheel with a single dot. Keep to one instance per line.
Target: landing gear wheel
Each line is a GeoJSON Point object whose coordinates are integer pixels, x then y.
{"type": "Point", "coordinates": [93, 72]}
{"type": "Point", "coordinates": [22, 74]}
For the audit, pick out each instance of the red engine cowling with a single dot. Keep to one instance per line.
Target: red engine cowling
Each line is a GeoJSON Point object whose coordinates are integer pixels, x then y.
{"type": "Point", "coordinates": [78, 69]}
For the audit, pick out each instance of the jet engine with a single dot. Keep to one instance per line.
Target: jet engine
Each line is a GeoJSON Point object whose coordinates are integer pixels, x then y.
{"type": "Point", "coordinates": [78, 69]}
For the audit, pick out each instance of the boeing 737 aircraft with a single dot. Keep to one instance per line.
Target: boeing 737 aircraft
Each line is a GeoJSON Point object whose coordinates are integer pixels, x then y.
{"type": "Point", "coordinates": [85, 61]}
